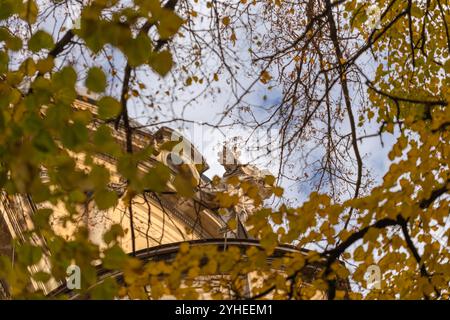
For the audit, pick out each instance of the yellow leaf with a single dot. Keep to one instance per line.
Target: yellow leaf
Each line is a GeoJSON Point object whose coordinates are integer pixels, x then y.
{"type": "Point", "coordinates": [226, 21]}
{"type": "Point", "coordinates": [278, 191]}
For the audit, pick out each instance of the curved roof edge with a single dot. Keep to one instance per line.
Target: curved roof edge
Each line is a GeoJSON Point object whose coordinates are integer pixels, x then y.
{"type": "Point", "coordinates": [167, 251]}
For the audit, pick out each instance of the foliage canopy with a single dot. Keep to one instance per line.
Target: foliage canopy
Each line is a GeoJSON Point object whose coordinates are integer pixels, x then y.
{"type": "Point", "coordinates": [319, 53]}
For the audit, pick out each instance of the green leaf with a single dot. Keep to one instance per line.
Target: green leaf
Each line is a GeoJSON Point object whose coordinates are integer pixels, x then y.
{"type": "Point", "coordinates": [63, 86]}
{"type": "Point", "coordinates": [104, 142]}
{"type": "Point", "coordinates": [66, 78]}
{"type": "Point", "coordinates": [12, 42]}
{"type": "Point", "coordinates": [29, 11]}
{"type": "Point", "coordinates": [41, 276]}
{"type": "Point", "coordinates": [91, 32]}
{"type": "Point", "coordinates": [29, 255]}
{"type": "Point", "coordinates": [105, 199]}
{"type": "Point", "coordinates": [115, 258]}
{"type": "Point", "coordinates": [183, 186]}
{"type": "Point", "coordinates": [105, 290]}
{"type": "Point", "coordinates": [74, 136]}
{"type": "Point", "coordinates": [28, 67]}
{"type": "Point", "coordinates": [96, 80]}
{"type": "Point", "coordinates": [41, 218]}
{"type": "Point", "coordinates": [7, 8]}
{"type": "Point", "coordinates": [44, 142]}
{"type": "Point", "coordinates": [138, 50]}
{"type": "Point", "coordinates": [4, 61]}
{"type": "Point", "coordinates": [169, 23]}
{"type": "Point", "coordinates": [40, 40]}
{"type": "Point", "coordinates": [113, 233]}
{"type": "Point", "coordinates": [45, 65]}
{"type": "Point", "coordinates": [161, 62]}
{"type": "Point", "coordinates": [99, 176]}
{"type": "Point", "coordinates": [157, 177]}
{"type": "Point", "coordinates": [152, 6]}
{"type": "Point", "coordinates": [77, 196]}
{"type": "Point", "coordinates": [108, 108]}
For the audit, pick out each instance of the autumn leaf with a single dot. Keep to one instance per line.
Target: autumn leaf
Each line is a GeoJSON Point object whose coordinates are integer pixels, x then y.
{"type": "Point", "coordinates": [96, 80]}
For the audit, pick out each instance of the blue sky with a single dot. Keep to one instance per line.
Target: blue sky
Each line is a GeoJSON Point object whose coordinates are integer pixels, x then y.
{"type": "Point", "coordinates": [195, 105]}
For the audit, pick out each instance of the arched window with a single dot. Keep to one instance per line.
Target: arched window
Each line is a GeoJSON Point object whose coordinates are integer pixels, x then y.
{"type": "Point", "coordinates": [174, 161]}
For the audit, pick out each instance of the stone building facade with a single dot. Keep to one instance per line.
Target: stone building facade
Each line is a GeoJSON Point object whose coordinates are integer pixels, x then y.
{"type": "Point", "coordinates": [161, 221]}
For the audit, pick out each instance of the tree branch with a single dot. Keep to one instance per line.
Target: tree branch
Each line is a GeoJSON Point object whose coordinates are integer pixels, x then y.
{"type": "Point", "coordinates": [423, 270]}
{"type": "Point", "coordinates": [434, 195]}
{"type": "Point", "coordinates": [348, 104]}
{"type": "Point", "coordinates": [61, 44]}
{"type": "Point", "coordinates": [442, 103]}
